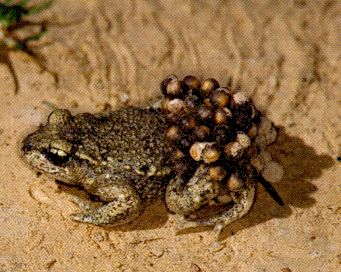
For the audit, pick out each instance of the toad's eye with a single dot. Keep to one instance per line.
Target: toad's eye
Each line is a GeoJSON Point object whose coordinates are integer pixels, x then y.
{"type": "Point", "coordinates": [59, 152]}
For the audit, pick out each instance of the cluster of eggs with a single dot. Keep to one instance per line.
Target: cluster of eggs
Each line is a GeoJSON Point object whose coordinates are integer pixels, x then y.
{"type": "Point", "coordinates": [210, 124]}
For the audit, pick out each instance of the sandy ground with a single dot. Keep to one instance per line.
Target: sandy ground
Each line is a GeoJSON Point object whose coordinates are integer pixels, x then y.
{"type": "Point", "coordinates": [285, 54]}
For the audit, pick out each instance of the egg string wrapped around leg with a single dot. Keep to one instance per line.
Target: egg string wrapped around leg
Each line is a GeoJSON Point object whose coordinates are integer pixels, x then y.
{"type": "Point", "coordinates": [221, 130]}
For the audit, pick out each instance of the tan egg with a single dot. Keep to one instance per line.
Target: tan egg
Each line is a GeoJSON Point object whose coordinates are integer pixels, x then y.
{"type": "Point", "coordinates": [252, 131]}
{"type": "Point", "coordinates": [220, 97]}
{"type": "Point", "coordinates": [188, 123]}
{"type": "Point", "coordinates": [178, 154]}
{"type": "Point", "coordinates": [176, 106]}
{"type": "Point", "coordinates": [234, 183]}
{"type": "Point", "coordinates": [222, 116]}
{"type": "Point", "coordinates": [192, 82]}
{"type": "Point", "coordinates": [217, 172]}
{"type": "Point", "coordinates": [165, 104]}
{"type": "Point", "coordinates": [192, 101]}
{"type": "Point", "coordinates": [239, 98]}
{"type": "Point", "coordinates": [173, 106]}
{"type": "Point", "coordinates": [204, 112]}
{"type": "Point", "coordinates": [273, 171]}
{"type": "Point", "coordinates": [243, 139]}
{"type": "Point", "coordinates": [196, 150]}
{"type": "Point", "coordinates": [250, 152]}
{"type": "Point", "coordinates": [211, 153]}
{"type": "Point", "coordinates": [171, 86]}
{"type": "Point", "coordinates": [173, 133]}
{"type": "Point", "coordinates": [257, 162]}
{"type": "Point", "coordinates": [233, 150]}
{"type": "Point", "coordinates": [208, 86]}
{"type": "Point", "coordinates": [201, 132]}
{"type": "Point", "coordinates": [207, 102]}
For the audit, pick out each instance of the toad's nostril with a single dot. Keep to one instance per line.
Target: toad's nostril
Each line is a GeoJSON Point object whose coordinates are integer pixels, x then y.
{"type": "Point", "coordinates": [26, 147]}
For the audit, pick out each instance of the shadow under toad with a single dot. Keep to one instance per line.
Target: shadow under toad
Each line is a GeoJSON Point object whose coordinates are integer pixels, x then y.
{"type": "Point", "coordinates": [301, 166]}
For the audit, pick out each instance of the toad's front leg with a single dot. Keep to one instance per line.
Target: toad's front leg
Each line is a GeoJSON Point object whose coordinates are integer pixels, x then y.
{"type": "Point", "coordinates": [122, 205]}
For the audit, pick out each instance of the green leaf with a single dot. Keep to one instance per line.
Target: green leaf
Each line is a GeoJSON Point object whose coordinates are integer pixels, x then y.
{"type": "Point", "coordinates": [6, 2]}
{"type": "Point", "coordinates": [14, 15]}
{"type": "Point", "coordinates": [23, 2]}
{"type": "Point", "coordinates": [20, 46]}
{"type": "Point", "coordinates": [38, 8]}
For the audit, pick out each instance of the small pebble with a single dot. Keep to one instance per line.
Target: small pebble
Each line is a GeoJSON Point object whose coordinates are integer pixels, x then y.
{"type": "Point", "coordinates": [195, 268]}
{"type": "Point", "coordinates": [217, 246]}
{"type": "Point", "coordinates": [157, 252]}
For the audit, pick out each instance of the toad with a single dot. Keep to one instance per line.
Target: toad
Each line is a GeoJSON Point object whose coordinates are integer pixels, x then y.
{"type": "Point", "coordinates": [202, 146]}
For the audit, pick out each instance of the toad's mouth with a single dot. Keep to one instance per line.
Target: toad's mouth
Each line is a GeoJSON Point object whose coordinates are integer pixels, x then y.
{"type": "Point", "coordinates": [40, 161]}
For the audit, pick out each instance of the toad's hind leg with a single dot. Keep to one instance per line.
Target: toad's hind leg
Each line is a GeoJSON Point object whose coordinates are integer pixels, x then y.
{"type": "Point", "coordinates": [242, 204]}
{"type": "Point", "coordinates": [123, 204]}
{"type": "Point", "coordinates": [184, 198]}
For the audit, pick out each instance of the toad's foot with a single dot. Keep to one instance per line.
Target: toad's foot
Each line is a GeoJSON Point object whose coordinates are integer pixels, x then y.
{"type": "Point", "coordinates": [243, 203]}
{"type": "Point", "coordinates": [84, 205]}
{"type": "Point", "coordinates": [123, 205]}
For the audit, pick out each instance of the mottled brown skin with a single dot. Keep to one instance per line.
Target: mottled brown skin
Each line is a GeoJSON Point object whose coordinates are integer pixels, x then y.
{"type": "Point", "coordinates": [124, 159]}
